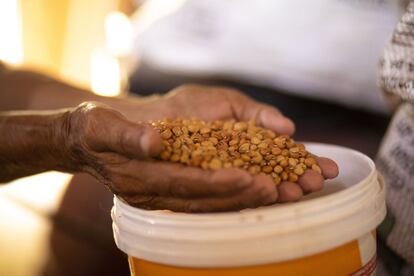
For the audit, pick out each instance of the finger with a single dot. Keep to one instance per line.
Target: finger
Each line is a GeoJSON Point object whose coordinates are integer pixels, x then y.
{"type": "Point", "coordinates": [117, 134]}
{"type": "Point", "coordinates": [328, 166]}
{"type": "Point", "coordinates": [311, 181]}
{"type": "Point", "coordinates": [267, 116]}
{"type": "Point", "coordinates": [289, 191]}
{"type": "Point", "coordinates": [271, 118]}
{"type": "Point", "coordinates": [259, 194]}
{"type": "Point", "coordinates": [176, 180]}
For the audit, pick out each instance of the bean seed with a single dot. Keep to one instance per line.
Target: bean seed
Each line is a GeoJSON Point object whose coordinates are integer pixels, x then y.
{"type": "Point", "coordinates": [310, 161]}
{"type": "Point", "coordinates": [166, 134]}
{"type": "Point", "coordinates": [256, 140]}
{"type": "Point", "coordinates": [278, 169]}
{"type": "Point", "coordinates": [193, 128]}
{"type": "Point", "coordinates": [292, 162]}
{"type": "Point", "coordinates": [226, 144]}
{"type": "Point", "coordinates": [177, 131]}
{"type": "Point", "coordinates": [215, 164]}
{"type": "Point", "coordinates": [245, 157]}
{"type": "Point", "coordinates": [277, 180]}
{"type": "Point", "coordinates": [254, 169]}
{"type": "Point", "coordinates": [276, 151]}
{"type": "Point", "coordinates": [293, 177]}
{"type": "Point", "coordinates": [238, 163]}
{"type": "Point", "coordinates": [299, 170]}
{"type": "Point", "coordinates": [316, 168]}
{"type": "Point", "coordinates": [244, 147]}
{"type": "Point", "coordinates": [284, 175]}
{"type": "Point", "coordinates": [267, 169]}
{"type": "Point", "coordinates": [205, 130]}
{"type": "Point", "coordinates": [240, 126]}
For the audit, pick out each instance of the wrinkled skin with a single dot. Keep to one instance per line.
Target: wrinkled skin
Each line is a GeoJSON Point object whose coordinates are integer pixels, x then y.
{"type": "Point", "coordinates": [118, 151]}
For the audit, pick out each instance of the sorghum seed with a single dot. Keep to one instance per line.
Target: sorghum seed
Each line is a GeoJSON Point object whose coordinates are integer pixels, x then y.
{"type": "Point", "coordinates": [310, 161]}
{"type": "Point", "coordinates": [215, 164]}
{"type": "Point", "coordinates": [278, 169]}
{"type": "Point", "coordinates": [316, 168]}
{"type": "Point", "coordinates": [293, 177]}
{"type": "Point", "coordinates": [166, 134]}
{"type": "Point", "coordinates": [225, 144]}
{"type": "Point", "coordinates": [205, 130]}
{"type": "Point", "coordinates": [267, 169]}
{"type": "Point", "coordinates": [298, 170]}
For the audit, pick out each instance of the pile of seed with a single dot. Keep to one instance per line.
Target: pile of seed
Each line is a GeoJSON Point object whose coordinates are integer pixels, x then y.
{"type": "Point", "coordinates": [226, 144]}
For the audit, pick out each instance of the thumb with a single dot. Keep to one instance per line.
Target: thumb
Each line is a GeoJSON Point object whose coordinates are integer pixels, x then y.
{"type": "Point", "coordinates": [137, 140]}
{"type": "Point", "coordinates": [113, 132]}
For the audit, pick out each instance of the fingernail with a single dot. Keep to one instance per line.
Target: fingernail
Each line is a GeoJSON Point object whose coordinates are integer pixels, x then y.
{"type": "Point", "coordinates": [145, 143]}
{"type": "Point", "coordinates": [285, 125]}
{"type": "Point", "coordinates": [278, 122]}
{"type": "Point", "coordinates": [150, 142]}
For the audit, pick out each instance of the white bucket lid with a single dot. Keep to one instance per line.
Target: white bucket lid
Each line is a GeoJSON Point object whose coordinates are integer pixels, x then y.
{"type": "Point", "coordinates": [351, 205]}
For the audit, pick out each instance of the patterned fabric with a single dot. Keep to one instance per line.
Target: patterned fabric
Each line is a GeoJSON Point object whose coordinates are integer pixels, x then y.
{"type": "Point", "coordinates": [395, 159]}
{"type": "Point", "coordinates": [397, 64]}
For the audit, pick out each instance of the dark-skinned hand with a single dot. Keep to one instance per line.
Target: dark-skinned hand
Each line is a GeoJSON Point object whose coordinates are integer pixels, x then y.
{"type": "Point", "coordinates": [118, 151]}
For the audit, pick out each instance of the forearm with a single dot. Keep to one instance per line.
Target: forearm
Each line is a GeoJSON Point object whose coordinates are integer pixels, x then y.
{"type": "Point", "coordinates": [32, 143]}
{"type": "Point", "coordinates": [22, 90]}
{"type": "Point", "coordinates": [26, 90]}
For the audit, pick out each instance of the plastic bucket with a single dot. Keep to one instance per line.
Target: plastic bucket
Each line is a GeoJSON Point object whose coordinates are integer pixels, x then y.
{"type": "Point", "coordinates": [331, 232]}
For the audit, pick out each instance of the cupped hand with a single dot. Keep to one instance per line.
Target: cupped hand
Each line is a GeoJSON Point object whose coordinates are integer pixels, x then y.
{"type": "Point", "coordinates": [220, 103]}
{"type": "Point", "coordinates": [118, 152]}
{"type": "Point", "coordinates": [102, 142]}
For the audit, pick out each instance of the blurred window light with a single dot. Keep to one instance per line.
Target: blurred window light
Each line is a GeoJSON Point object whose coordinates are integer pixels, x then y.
{"type": "Point", "coordinates": [118, 33]}
{"type": "Point", "coordinates": [11, 46]}
{"type": "Point", "coordinates": [105, 73]}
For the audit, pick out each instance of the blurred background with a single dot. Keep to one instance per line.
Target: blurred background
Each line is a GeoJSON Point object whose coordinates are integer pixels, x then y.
{"type": "Point", "coordinates": [315, 60]}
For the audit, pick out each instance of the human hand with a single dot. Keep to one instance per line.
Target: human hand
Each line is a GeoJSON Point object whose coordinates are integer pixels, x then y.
{"type": "Point", "coordinates": [118, 152]}
{"type": "Point", "coordinates": [219, 103]}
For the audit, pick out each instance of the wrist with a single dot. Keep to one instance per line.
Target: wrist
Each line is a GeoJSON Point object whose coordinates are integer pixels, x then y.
{"type": "Point", "coordinates": [65, 150]}
{"type": "Point", "coordinates": [33, 142]}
